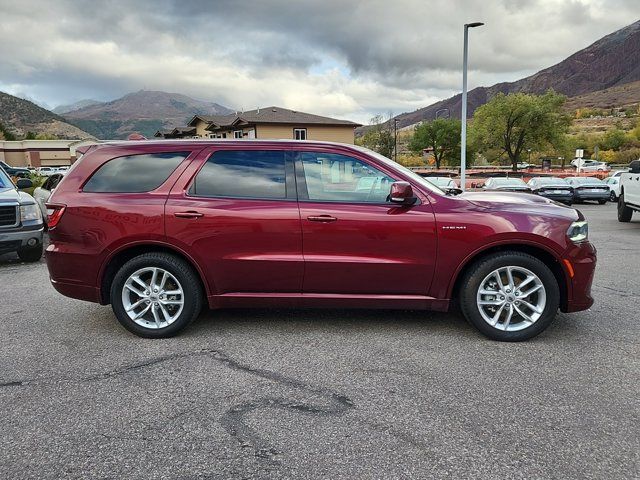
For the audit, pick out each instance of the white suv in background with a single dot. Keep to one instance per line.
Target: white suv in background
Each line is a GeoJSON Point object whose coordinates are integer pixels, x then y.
{"type": "Point", "coordinates": [629, 199]}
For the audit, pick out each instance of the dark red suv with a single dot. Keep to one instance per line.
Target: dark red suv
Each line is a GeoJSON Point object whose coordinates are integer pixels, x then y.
{"type": "Point", "coordinates": [157, 228]}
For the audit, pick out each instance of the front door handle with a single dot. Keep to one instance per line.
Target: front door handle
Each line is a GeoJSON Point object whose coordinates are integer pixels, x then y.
{"type": "Point", "coordinates": [190, 214]}
{"type": "Point", "coordinates": [321, 218]}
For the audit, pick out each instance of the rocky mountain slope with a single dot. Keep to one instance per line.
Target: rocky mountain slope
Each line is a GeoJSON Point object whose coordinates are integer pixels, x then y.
{"type": "Point", "coordinates": [143, 111]}
{"type": "Point", "coordinates": [62, 109]}
{"type": "Point", "coordinates": [612, 61]}
{"type": "Point", "coordinates": [19, 116]}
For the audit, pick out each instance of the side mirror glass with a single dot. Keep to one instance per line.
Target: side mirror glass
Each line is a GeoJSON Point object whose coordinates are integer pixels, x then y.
{"type": "Point", "coordinates": [634, 167]}
{"type": "Point", "coordinates": [402, 193]}
{"type": "Point", "coordinates": [24, 183]}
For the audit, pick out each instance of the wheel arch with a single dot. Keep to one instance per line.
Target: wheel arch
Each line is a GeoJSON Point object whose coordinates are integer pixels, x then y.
{"type": "Point", "coordinates": [118, 258]}
{"type": "Point", "coordinates": [548, 258]}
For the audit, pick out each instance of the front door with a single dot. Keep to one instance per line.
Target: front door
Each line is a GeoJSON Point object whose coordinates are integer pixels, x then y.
{"type": "Point", "coordinates": [235, 211]}
{"type": "Point", "coordinates": [354, 240]}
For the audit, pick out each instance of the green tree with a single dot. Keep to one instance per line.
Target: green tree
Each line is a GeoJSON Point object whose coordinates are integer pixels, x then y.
{"type": "Point", "coordinates": [518, 121]}
{"type": "Point", "coordinates": [613, 139]}
{"type": "Point", "coordinates": [379, 136]}
{"type": "Point", "coordinates": [30, 136]}
{"type": "Point", "coordinates": [442, 135]}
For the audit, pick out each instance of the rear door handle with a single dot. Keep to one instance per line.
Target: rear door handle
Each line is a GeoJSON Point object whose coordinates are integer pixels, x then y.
{"type": "Point", "coordinates": [321, 218]}
{"type": "Point", "coordinates": [188, 214]}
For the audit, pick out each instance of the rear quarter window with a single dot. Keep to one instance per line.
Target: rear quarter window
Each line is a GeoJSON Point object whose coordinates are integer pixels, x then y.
{"type": "Point", "coordinates": [134, 173]}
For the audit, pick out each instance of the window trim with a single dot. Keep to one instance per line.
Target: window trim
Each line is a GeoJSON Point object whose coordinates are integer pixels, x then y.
{"type": "Point", "coordinates": [289, 183]}
{"type": "Point", "coordinates": [300, 129]}
{"type": "Point", "coordinates": [235, 134]}
{"type": "Point", "coordinates": [303, 193]}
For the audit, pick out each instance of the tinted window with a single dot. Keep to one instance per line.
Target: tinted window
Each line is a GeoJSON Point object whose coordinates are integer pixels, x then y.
{"type": "Point", "coordinates": [242, 174]}
{"type": "Point", "coordinates": [338, 178]}
{"type": "Point", "coordinates": [135, 173]}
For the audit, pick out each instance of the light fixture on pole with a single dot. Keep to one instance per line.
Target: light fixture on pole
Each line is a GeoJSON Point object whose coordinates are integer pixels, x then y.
{"type": "Point", "coordinates": [463, 139]}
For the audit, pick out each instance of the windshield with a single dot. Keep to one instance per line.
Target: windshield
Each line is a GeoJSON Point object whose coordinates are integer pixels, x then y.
{"type": "Point", "coordinates": [5, 181]}
{"type": "Point", "coordinates": [552, 181]}
{"type": "Point", "coordinates": [393, 165]}
{"type": "Point", "coordinates": [516, 182]}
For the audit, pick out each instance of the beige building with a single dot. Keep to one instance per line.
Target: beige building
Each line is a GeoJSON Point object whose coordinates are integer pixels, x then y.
{"type": "Point", "coordinates": [266, 123]}
{"type": "Point", "coordinates": [40, 153]}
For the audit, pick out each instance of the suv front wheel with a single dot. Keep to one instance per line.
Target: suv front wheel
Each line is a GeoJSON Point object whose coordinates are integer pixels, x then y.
{"type": "Point", "coordinates": [510, 296]}
{"type": "Point", "coordinates": [155, 295]}
{"type": "Point", "coordinates": [624, 212]}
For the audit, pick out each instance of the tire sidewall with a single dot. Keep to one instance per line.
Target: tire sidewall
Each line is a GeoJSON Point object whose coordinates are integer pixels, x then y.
{"type": "Point", "coordinates": [483, 268]}
{"type": "Point", "coordinates": [183, 273]}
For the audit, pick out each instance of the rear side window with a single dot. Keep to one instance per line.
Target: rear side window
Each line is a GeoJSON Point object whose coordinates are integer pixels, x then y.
{"type": "Point", "coordinates": [242, 174]}
{"type": "Point", "coordinates": [134, 173]}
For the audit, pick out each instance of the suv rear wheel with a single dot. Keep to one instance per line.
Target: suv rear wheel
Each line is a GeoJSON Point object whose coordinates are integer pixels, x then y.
{"type": "Point", "coordinates": [30, 254]}
{"type": "Point", "coordinates": [624, 212]}
{"type": "Point", "coordinates": [155, 295]}
{"type": "Point", "coordinates": [510, 296]}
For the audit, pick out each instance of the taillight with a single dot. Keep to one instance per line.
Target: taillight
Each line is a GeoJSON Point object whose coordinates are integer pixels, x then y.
{"type": "Point", "coordinates": [54, 213]}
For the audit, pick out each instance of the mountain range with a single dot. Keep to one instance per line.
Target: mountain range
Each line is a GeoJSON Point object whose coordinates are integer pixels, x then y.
{"type": "Point", "coordinates": [144, 111]}
{"type": "Point", "coordinates": [610, 62]}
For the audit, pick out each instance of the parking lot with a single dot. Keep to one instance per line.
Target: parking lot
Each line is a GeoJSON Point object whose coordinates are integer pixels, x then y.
{"type": "Point", "coordinates": [322, 394]}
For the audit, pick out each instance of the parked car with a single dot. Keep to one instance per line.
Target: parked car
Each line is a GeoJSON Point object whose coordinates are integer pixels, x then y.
{"type": "Point", "coordinates": [20, 220]}
{"type": "Point", "coordinates": [18, 172]}
{"type": "Point", "coordinates": [524, 165]}
{"type": "Point", "coordinates": [506, 185]}
{"type": "Point", "coordinates": [41, 194]}
{"type": "Point", "coordinates": [158, 229]}
{"type": "Point", "coordinates": [629, 199]}
{"type": "Point", "coordinates": [443, 182]}
{"type": "Point", "coordinates": [589, 188]}
{"type": "Point", "coordinates": [614, 188]}
{"type": "Point", "coordinates": [47, 171]}
{"type": "Point", "coordinates": [592, 165]}
{"type": "Point", "coordinates": [552, 187]}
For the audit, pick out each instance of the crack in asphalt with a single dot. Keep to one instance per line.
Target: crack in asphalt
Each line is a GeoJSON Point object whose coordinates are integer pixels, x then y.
{"type": "Point", "coordinates": [620, 293]}
{"type": "Point", "coordinates": [233, 420]}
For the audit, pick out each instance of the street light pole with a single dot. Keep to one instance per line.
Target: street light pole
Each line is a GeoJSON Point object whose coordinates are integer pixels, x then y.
{"type": "Point", "coordinates": [463, 139]}
{"type": "Point", "coordinates": [395, 139]}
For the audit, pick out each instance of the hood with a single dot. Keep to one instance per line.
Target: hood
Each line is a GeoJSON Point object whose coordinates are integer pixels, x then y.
{"type": "Point", "coordinates": [507, 201]}
{"type": "Point", "coordinates": [9, 195]}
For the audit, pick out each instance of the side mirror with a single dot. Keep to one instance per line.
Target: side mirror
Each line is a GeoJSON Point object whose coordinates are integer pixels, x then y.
{"type": "Point", "coordinates": [634, 167]}
{"type": "Point", "coordinates": [402, 193]}
{"type": "Point", "coordinates": [23, 183]}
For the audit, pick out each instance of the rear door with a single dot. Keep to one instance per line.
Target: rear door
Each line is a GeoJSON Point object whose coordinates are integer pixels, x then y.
{"type": "Point", "coordinates": [355, 241]}
{"type": "Point", "coordinates": [235, 211]}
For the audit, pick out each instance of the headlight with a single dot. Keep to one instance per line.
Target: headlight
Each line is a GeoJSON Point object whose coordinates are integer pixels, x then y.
{"type": "Point", "coordinates": [578, 231]}
{"type": "Point", "coordinates": [30, 212]}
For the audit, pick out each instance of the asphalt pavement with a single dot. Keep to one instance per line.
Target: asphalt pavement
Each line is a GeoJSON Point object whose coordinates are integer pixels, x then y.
{"type": "Point", "coordinates": [322, 393]}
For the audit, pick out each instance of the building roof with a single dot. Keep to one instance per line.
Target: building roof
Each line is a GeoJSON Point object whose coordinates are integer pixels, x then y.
{"type": "Point", "coordinates": [270, 115]}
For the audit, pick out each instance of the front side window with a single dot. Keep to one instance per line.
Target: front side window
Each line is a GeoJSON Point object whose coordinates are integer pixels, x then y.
{"type": "Point", "coordinates": [299, 133]}
{"type": "Point", "coordinates": [237, 134]}
{"type": "Point", "coordinates": [242, 174]}
{"type": "Point", "coordinates": [134, 173]}
{"type": "Point", "coordinates": [339, 178]}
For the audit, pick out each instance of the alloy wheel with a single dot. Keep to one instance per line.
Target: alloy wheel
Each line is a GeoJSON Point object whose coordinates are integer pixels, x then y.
{"type": "Point", "coordinates": [511, 298]}
{"type": "Point", "coordinates": [152, 297]}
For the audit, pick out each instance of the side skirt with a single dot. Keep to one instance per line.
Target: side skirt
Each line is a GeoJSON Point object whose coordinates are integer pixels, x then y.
{"type": "Point", "coordinates": [327, 300]}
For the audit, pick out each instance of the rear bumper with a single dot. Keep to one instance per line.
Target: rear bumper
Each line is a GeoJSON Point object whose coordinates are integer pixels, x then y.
{"type": "Point", "coordinates": [591, 195]}
{"type": "Point", "coordinates": [582, 258]}
{"type": "Point", "coordinates": [10, 241]}
{"type": "Point", "coordinates": [80, 292]}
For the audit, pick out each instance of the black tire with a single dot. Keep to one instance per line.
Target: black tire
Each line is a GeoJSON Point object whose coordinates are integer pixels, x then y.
{"type": "Point", "coordinates": [602, 202]}
{"type": "Point", "coordinates": [483, 267]}
{"type": "Point", "coordinates": [181, 270]}
{"type": "Point", "coordinates": [30, 254]}
{"type": "Point", "coordinates": [612, 197]}
{"type": "Point", "coordinates": [624, 213]}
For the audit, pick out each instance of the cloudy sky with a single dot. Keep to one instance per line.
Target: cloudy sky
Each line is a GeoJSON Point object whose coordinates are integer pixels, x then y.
{"type": "Point", "coordinates": [344, 58]}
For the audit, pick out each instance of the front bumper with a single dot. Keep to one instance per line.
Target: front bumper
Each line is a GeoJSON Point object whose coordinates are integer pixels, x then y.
{"type": "Point", "coordinates": [582, 258]}
{"type": "Point", "coordinates": [16, 238]}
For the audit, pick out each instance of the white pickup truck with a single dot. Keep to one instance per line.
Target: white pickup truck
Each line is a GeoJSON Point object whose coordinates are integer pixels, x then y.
{"type": "Point", "coordinates": [629, 199]}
